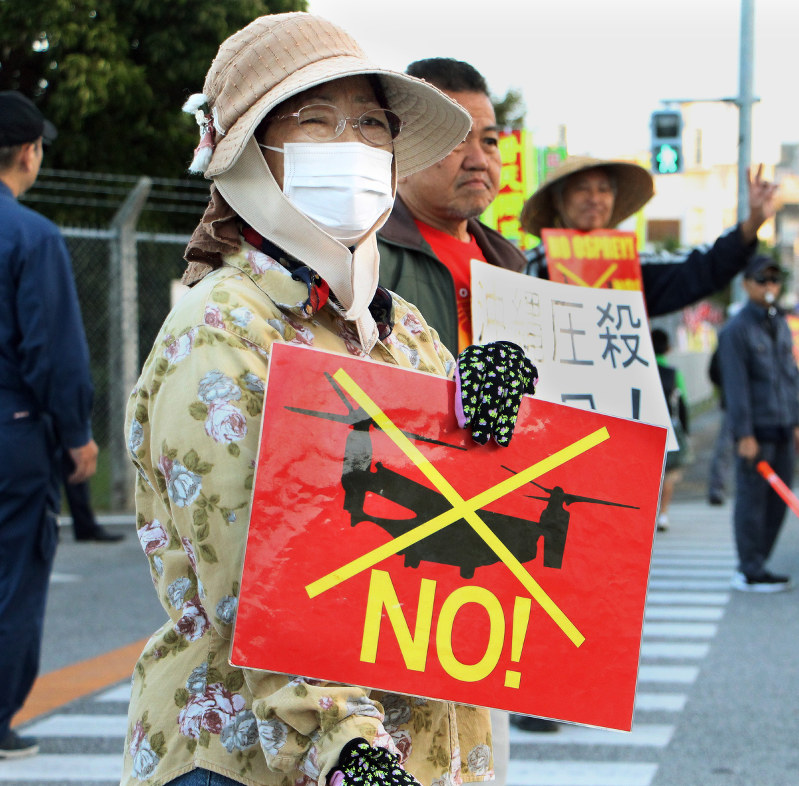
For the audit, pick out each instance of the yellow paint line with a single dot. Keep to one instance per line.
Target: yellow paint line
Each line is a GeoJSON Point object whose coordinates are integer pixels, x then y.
{"type": "Point", "coordinates": [57, 688]}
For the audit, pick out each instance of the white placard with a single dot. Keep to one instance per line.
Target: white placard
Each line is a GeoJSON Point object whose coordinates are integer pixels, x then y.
{"type": "Point", "coordinates": [592, 347]}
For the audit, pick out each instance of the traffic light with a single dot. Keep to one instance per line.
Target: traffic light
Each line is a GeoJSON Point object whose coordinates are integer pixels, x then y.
{"type": "Point", "coordinates": [666, 127]}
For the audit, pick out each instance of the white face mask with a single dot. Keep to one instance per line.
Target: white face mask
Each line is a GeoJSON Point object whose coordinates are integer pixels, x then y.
{"type": "Point", "coordinates": [342, 187]}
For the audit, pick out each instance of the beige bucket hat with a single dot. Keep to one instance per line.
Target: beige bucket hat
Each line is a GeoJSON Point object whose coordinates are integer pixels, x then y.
{"type": "Point", "coordinates": [634, 188]}
{"type": "Point", "coordinates": [280, 55]}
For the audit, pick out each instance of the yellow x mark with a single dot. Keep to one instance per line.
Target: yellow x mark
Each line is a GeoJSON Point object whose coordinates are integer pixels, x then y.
{"type": "Point", "coordinates": [609, 271]}
{"type": "Point", "coordinates": [461, 509]}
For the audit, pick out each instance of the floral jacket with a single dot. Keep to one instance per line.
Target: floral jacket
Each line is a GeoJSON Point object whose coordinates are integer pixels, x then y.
{"type": "Point", "coordinates": [192, 424]}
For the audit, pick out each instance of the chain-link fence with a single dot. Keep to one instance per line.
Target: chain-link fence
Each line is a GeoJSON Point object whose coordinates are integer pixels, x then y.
{"type": "Point", "coordinates": [159, 262]}
{"type": "Point", "coordinates": [124, 280]}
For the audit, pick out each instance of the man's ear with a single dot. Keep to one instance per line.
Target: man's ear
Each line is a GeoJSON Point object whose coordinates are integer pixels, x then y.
{"type": "Point", "coordinates": [27, 156]}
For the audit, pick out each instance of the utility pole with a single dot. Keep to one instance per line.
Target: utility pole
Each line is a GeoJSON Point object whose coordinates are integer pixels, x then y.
{"type": "Point", "coordinates": [745, 101]}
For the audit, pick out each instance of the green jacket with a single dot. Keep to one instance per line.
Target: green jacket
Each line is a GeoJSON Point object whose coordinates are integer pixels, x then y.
{"type": "Point", "coordinates": [409, 267]}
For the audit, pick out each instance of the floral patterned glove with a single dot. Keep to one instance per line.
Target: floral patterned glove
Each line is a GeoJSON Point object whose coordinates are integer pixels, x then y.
{"type": "Point", "coordinates": [362, 765]}
{"type": "Point", "coordinates": [490, 382]}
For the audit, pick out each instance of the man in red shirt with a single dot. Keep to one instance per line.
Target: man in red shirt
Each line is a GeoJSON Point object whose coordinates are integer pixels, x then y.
{"type": "Point", "coordinates": [433, 233]}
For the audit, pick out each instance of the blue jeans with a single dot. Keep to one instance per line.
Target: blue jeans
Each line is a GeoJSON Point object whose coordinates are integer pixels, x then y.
{"type": "Point", "coordinates": [202, 778]}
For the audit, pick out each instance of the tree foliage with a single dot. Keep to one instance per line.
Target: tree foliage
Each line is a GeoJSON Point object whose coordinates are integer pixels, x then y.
{"type": "Point", "coordinates": [112, 75]}
{"type": "Point", "coordinates": [510, 109]}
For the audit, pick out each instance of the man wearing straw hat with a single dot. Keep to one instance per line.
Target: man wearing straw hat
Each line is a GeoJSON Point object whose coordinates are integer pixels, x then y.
{"type": "Point", "coordinates": [590, 193]}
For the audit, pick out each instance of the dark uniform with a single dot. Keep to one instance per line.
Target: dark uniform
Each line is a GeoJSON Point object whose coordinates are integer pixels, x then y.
{"type": "Point", "coordinates": [761, 392]}
{"type": "Point", "coordinates": [45, 405]}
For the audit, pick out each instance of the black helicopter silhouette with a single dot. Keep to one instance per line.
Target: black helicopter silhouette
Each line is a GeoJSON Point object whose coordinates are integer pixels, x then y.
{"type": "Point", "coordinates": [554, 519]}
{"type": "Point", "coordinates": [457, 544]}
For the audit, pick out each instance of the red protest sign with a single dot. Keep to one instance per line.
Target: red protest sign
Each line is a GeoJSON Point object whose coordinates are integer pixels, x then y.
{"type": "Point", "coordinates": [602, 258]}
{"type": "Point", "coordinates": [387, 549]}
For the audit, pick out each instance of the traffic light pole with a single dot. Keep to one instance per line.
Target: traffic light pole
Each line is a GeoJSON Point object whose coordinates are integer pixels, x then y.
{"type": "Point", "coordinates": [745, 101]}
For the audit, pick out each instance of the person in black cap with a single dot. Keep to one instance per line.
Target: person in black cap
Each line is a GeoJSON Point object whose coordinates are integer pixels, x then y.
{"type": "Point", "coordinates": [761, 390]}
{"type": "Point", "coordinates": [45, 405]}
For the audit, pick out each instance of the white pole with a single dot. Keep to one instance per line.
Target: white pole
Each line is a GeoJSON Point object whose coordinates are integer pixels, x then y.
{"type": "Point", "coordinates": [745, 101]}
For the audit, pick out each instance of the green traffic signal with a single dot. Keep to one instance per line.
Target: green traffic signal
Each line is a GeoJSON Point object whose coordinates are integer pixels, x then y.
{"type": "Point", "coordinates": [667, 159]}
{"type": "Point", "coordinates": [666, 141]}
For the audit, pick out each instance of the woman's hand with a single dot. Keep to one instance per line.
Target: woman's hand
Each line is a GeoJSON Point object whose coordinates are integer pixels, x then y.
{"type": "Point", "coordinates": [490, 382]}
{"type": "Point", "coordinates": [362, 765]}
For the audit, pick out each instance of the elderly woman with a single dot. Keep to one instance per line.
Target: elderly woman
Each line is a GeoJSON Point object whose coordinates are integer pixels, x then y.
{"type": "Point", "coordinates": [304, 140]}
{"type": "Point", "coordinates": [590, 193]}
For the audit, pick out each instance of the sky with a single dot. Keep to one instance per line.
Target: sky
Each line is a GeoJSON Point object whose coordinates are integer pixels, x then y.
{"type": "Point", "coordinates": [598, 66]}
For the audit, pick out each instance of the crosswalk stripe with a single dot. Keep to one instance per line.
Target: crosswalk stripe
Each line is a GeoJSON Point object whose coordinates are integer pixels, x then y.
{"type": "Point", "coordinates": [692, 584]}
{"type": "Point", "coordinates": [689, 560]}
{"type": "Point", "coordinates": [73, 725]}
{"type": "Point", "coordinates": [580, 773]}
{"type": "Point", "coordinates": [714, 552]}
{"type": "Point", "coordinates": [698, 598]}
{"type": "Point", "coordinates": [62, 768]}
{"type": "Point", "coordinates": [698, 613]}
{"type": "Point", "coordinates": [660, 702]}
{"type": "Point", "coordinates": [679, 674]}
{"type": "Point", "coordinates": [119, 693]}
{"type": "Point", "coordinates": [643, 735]}
{"type": "Point", "coordinates": [674, 649]}
{"type": "Point", "coordinates": [64, 578]}
{"type": "Point", "coordinates": [678, 572]}
{"type": "Point", "coordinates": [679, 630]}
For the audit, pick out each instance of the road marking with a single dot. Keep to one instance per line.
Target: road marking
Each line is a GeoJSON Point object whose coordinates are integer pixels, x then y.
{"type": "Point", "coordinates": [694, 573]}
{"type": "Point", "coordinates": [709, 553]}
{"type": "Point", "coordinates": [69, 725]}
{"type": "Point", "coordinates": [59, 687]}
{"type": "Point", "coordinates": [653, 735]}
{"type": "Point", "coordinates": [691, 560]}
{"type": "Point", "coordinates": [62, 768]}
{"type": "Point", "coordinates": [674, 649]}
{"type": "Point", "coordinates": [691, 584]}
{"type": "Point", "coordinates": [679, 630]}
{"type": "Point", "coordinates": [660, 702]}
{"type": "Point", "coordinates": [579, 773]}
{"type": "Point", "coordinates": [698, 613]}
{"type": "Point", "coordinates": [119, 693]}
{"type": "Point", "coordinates": [685, 675]}
{"type": "Point", "coordinates": [64, 578]}
{"type": "Point", "coordinates": [698, 598]}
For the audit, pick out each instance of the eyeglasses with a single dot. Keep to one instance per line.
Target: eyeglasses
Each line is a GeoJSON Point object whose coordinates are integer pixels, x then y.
{"type": "Point", "coordinates": [773, 279]}
{"type": "Point", "coordinates": [325, 122]}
